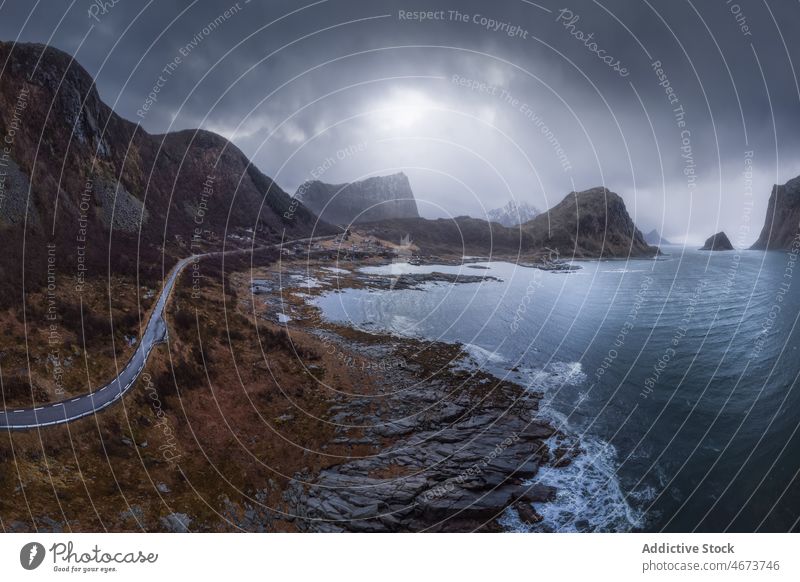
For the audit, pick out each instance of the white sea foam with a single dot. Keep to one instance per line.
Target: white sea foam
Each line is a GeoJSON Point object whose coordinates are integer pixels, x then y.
{"type": "Point", "coordinates": [553, 376]}
{"type": "Point", "coordinates": [589, 495]}
{"type": "Point", "coordinates": [482, 356]}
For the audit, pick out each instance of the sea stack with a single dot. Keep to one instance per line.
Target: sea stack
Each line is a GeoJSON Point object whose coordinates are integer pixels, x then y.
{"type": "Point", "coordinates": [782, 224]}
{"type": "Point", "coordinates": [718, 242]}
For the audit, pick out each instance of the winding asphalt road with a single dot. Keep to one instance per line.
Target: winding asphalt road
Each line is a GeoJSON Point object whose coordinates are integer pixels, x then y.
{"type": "Point", "coordinates": [95, 401]}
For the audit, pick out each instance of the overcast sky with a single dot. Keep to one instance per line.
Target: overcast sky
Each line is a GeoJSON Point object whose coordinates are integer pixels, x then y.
{"type": "Point", "coordinates": [508, 99]}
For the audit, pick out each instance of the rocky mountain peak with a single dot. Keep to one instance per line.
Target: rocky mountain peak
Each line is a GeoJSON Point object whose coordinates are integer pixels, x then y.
{"type": "Point", "coordinates": [591, 223]}
{"type": "Point", "coordinates": [53, 77]}
{"type": "Point", "coordinates": [104, 185]}
{"type": "Point", "coordinates": [373, 199]}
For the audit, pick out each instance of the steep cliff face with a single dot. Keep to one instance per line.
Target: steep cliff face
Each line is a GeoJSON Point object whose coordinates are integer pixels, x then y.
{"type": "Point", "coordinates": [717, 242]}
{"type": "Point", "coordinates": [370, 200]}
{"type": "Point", "coordinates": [75, 174]}
{"type": "Point", "coordinates": [593, 223]}
{"type": "Point", "coordinates": [53, 117]}
{"type": "Point", "coordinates": [782, 224]}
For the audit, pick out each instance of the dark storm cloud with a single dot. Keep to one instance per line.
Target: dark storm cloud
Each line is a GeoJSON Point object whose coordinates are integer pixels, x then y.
{"type": "Point", "coordinates": [507, 99]}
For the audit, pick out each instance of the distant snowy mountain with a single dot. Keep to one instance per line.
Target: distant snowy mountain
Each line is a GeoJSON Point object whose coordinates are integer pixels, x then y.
{"type": "Point", "coordinates": [513, 213]}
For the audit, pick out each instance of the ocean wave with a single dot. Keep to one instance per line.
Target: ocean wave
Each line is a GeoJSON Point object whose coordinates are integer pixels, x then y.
{"type": "Point", "coordinates": [589, 497]}
{"type": "Point", "coordinates": [589, 493]}
{"type": "Point", "coordinates": [481, 356]}
{"type": "Point", "coordinates": [553, 376]}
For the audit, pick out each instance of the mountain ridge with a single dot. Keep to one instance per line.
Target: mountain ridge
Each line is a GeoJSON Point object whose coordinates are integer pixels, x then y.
{"type": "Point", "coordinates": [105, 191]}
{"type": "Point", "coordinates": [369, 200]}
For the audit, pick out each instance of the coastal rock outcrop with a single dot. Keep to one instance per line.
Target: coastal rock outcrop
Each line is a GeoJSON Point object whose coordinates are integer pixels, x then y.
{"type": "Point", "coordinates": [455, 479]}
{"type": "Point", "coordinates": [782, 225]}
{"type": "Point", "coordinates": [447, 459]}
{"type": "Point", "coordinates": [593, 224]}
{"type": "Point", "coordinates": [370, 200]}
{"type": "Point", "coordinates": [460, 474]}
{"type": "Point", "coordinates": [717, 242]}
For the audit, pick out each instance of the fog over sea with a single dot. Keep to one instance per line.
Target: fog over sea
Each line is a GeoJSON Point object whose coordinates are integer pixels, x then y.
{"type": "Point", "coordinates": [678, 376]}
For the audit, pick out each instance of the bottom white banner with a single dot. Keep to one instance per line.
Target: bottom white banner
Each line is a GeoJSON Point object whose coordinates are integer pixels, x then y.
{"type": "Point", "coordinates": [354, 557]}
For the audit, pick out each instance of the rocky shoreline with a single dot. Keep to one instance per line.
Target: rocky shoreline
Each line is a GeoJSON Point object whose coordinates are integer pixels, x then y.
{"type": "Point", "coordinates": [452, 447]}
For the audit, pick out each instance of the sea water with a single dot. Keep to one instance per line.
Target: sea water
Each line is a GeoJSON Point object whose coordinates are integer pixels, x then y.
{"type": "Point", "coordinates": [677, 376]}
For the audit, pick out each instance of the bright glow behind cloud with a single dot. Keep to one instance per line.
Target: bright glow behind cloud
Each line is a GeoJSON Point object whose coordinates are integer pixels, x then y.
{"type": "Point", "coordinates": [403, 109]}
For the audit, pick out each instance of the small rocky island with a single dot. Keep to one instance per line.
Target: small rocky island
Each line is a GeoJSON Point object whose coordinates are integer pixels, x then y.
{"type": "Point", "coordinates": [717, 242]}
